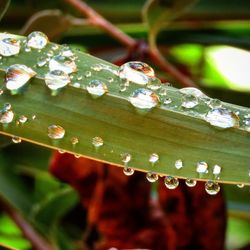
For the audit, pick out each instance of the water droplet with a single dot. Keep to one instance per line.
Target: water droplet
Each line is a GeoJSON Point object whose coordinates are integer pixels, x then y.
{"type": "Point", "coordinates": [79, 78]}
{"type": "Point", "coordinates": [216, 170]}
{"type": "Point", "coordinates": [192, 91]}
{"type": "Point", "coordinates": [167, 101]}
{"type": "Point", "coordinates": [16, 139]}
{"type": "Point", "coordinates": [144, 99]}
{"type": "Point", "coordinates": [189, 101]}
{"type": "Point", "coordinates": [66, 51]}
{"type": "Point", "coordinates": [190, 182]}
{"type": "Point", "coordinates": [246, 123]}
{"type": "Point", "coordinates": [61, 151]}
{"type": "Point", "coordinates": [126, 157]}
{"type": "Point", "coordinates": [137, 72]}
{"type": "Point", "coordinates": [27, 49]}
{"type": "Point", "coordinates": [76, 85]}
{"type": "Point", "coordinates": [222, 118]}
{"type": "Point", "coordinates": [214, 103]}
{"type": "Point", "coordinates": [42, 61]}
{"type": "Point", "coordinates": [77, 156]}
{"type": "Point", "coordinates": [152, 177]}
{"type": "Point", "coordinates": [153, 158]}
{"type": "Point", "coordinates": [212, 187]}
{"type": "Point", "coordinates": [33, 117]}
{"type": "Point", "coordinates": [9, 46]}
{"type": "Point", "coordinates": [74, 141]}
{"type": "Point", "coordinates": [88, 74]}
{"type": "Point", "coordinates": [37, 40]}
{"type": "Point", "coordinates": [97, 67]}
{"type": "Point", "coordinates": [1, 91]}
{"type": "Point", "coordinates": [202, 167]}
{"type": "Point", "coordinates": [62, 63]}
{"type": "Point", "coordinates": [97, 141]}
{"type": "Point", "coordinates": [171, 182]}
{"type": "Point", "coordinates": [56, 79]}
{"type": "Point", "coordinates": [240, 185]}
{"type": "Point", "coordinates": [97, 88]}
{"type": "Point", "coordinates": [56, 132]}
{"type": "Point", "coordinates": [17, 76]}
{"type": "Point", "coordinates": [128, 171]}
{"type": "Point", "coordinates": [22, 119]}
{"type": "Point", "coordinates": [55, 47]}
{"type": "Point", "coordinates": [154, 84]}
{"type": "Point", "coordinates": [6, 114]}
{"type": "Point", "coordinates": [178, 164]}
{"type": "Point", "coordinates": [110, 79]}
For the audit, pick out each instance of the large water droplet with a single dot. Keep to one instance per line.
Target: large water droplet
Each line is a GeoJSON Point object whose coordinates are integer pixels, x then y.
{"type": "Point", "coordinates": [126, 157]}
{"type": "Point", "coordinates": [16, 139]}
{"type": "Point", "coordinates": [212, 187]}
{"type": "Point", "coordinates": [128, 171]}
{"type": "Point", "coordinates": [190, 182]}
{"type": "Point", "coordinates": [97, 88]}
{"type": "Point", "coordinates": [97, 141]}
{"type": "Point", "coordinates": [202, 167]}
{"type": "Point", "coordinates": [62, 63]}
{"type": "Point", "coordinates": [153, 158]}
{"type": "Point", "coordinates": [179, 164]}
{"type": "Point", "coordinates": [37, 40]}
{"type": "Point", "coordinates": [137, 72]}
{"type": "Point", "coordinates": [144, 99]}
{"type": "Point", "coordinates": [56, 132]}
{"type": "Point", "coordinates": [6, 114]}
{"type": "Point", "coordinates": [56, 79]}
{"type": "Point", "coordinates": [152, 177]}
{"type": "Point", "coordinates": [222, 118]}
{"type": "Point", "coordinates": [17, 76]}
{"type": "Point", "coordinates": [171, 182]}
{"type": "Point", "coordinates": [9, 46]}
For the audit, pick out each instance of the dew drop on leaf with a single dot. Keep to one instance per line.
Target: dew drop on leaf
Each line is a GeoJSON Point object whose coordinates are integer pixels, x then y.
{"type": "Point", "coordinates": [153, 158]}
{"type": "Point", "coordinates": [56, 79]}
{"type": "Point", "coordinates": [16, 139]}
{"type": "Point", "coordinates": [74, 141]}
{"type": "Point", "coordinates": [62, 63]}
{"type": "Point", "coordinates": [212, 187]}
{"type": "Point", "coordinates": [178, 164]}
{"type": "Point", "coordinates": [171, 182]}
{"type": "Point", "coordinates": [216, 170]}
{"type": "Point", "coordinates": [17, 76]}
{"type": "Point", "coordinates": [202, 167]}
{"type": "Point", "coordinates": [37, 40]}
{"type": "Point", "coordinates": [125, 157]}
{"type": "Point", "coordinates": [97, 88]}
{"type": "Point", "coordinates": [192, 91]}
{"type": "Point", "coordinates": [9, 46]}
{"type": "Point", "coordinates": [222, 118]}
{"type": "Point", "coordinates": [128, 171]}
{"type": "Point", "coordinates": [189, 101]}
{"type": "Point", "coordinates": [22, 119]}
{"type": "Point", "coordinates": [6, 114]}
{"type": "Point", "coordinates": [97, 142]}
{"type": "Point", "coordinates": [144, 99]}
{"type": "Point", "coordinates": [190, 182]}
{"type": "Point", "coordinates": [152, 177]}
{"type": "Point", "coordinates": [56, 132]}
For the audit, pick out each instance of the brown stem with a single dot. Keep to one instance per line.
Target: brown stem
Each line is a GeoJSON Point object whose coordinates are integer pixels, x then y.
{"type": "Point", "coordinates": [36, 240]}
{"type": "Point", "coordinates": [128, 41]}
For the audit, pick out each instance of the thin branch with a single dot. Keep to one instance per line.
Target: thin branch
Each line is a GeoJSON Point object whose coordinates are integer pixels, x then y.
{"type": "Point", "coordinates": [36, 240]}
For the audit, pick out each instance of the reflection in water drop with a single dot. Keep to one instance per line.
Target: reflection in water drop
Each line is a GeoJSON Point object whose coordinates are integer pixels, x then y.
{"type": "Point", "coordinates": [171, 182]}
{"type": "Point", "coordinates": [56, 132]}
{"type": "Point", "coordinates": [202, 167]}
{"type": "Point", "coordinates": [222, 118]}
{"type": "Point", "coordinates": [152, 177]}
{"type": "Point", "coordinates": [37, 40]}
{"type": "Point", "coordinates": [6, 114]}
{"type": "Point", "coordinates": [22, 119]}
{"type": "Point", "coordinates": [17, 76]}
{"type": "Point", "coordinates": [190, 182]}
{"type": "Point", "coordinates": [212, 187]}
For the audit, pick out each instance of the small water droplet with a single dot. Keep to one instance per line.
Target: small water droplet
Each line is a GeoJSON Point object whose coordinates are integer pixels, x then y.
{"type": "Point", "coordinates": [62, 63]}
{"type": "Point", "coordinates": [56, 132]}
{"type": "Point", "coordinates": [79, 78]}
{"type": "Point", "coordinates": [167, 101]}
{"type": "Point", "coordinates": [189, 101]}
{"type": "Point", "coordinates": [97, 88]}
{"type": "Point", "coordinates": [37, 40]}
{"type": "Point", "coordinates": [192, 91]}
{"type": "Point", "coordinates": [61, 151]}
{"type": "Point", "coordinates": [190, 182]}
{"type": "Point", "coordinates": [110, 79]}
{"type": "Point", "coordinates": [56, 79]}
{"type": "Point", "coordinates": [128, 171]}
{"type": "Point", "coordinates": [16, 139]}
{"type": "Point", "coordinates": [212, 187]}
{"type": "Point", "coordinates": [240, 185]}
{"type": "Point", "coordinates": [66, 51]}
{"type": "Point", "coordinates": [17, 76]}
{"type": "Point", "coordinates": [74, 141]}
{"type": "Point", "coordinates": [179, 164]}
{"type": "Point", "coordinates": [22, 119]}
{"type": "Point", "coordinates": [137, 72]}
{"type": "Point", "coordinates": [214, 103]}
{"type": "Point", "coordinates": [33, 117]}
{"type": "Point", "coordinates": [153, 158]}
{"type": "Point", "coordinates": [154, 84]}
{"type": "Point", "coordinates": [144, 99]}
{"type": "Point", "coordinates": [202, 167]}
{"type": "Point", "coordinates": [125, 158]}
{"type": "Point", "coordinates": [97, 67]}
{"type": "Point", "coordinates": [6, 114]}
{"type": "Point", "coordinates": [9, 46]}
{"type": "Point", "coordinates": [77, 156]}
{"type": "Point", "coordinates": [216, 170]}
{"type": "Point", "coordinates": [55, 47]}
{"type": "Point", "coordinates": [88, 74]}
{"type": "Point", "coordinates": [222, 118]}
{"type": "Point", "coordinates": [42, 61]}
{"type": "Point", "coordinates": [152, 177]}
{"type": "Point", "coordinates": [171, 182]}
{"type": "Point", "coordinates": [97, 142]}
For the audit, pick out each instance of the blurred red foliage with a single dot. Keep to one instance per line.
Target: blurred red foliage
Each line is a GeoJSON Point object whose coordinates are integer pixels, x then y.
{"type": "Point", "coordinates": [125, 216]}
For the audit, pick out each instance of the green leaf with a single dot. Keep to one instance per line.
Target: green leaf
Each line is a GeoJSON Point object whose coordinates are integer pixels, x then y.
{"type": "Point", "coordinates": [168, 130]}
{"type": "Point", "coordinates": [4, 5]}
